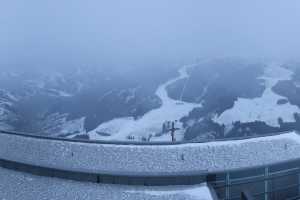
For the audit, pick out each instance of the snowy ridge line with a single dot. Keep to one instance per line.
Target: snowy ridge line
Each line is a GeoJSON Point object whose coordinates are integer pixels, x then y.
{"type": "Point", "coordinates": [116, 142]}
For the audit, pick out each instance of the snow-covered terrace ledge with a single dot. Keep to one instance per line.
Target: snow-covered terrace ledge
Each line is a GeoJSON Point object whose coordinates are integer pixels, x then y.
{"type": "Point", "coordinates": [23, 186]}
{"type": "Point", "coordinates": [149, 160]}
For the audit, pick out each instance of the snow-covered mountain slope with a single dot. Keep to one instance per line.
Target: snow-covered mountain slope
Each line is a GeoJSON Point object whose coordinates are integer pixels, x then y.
{"type": "Point", "coordinates": [7, 114]}
{"type": "Point", "coordinates": [266, 107]}
{"type": "Point", "coordinates": [219, 98]}
{"type": "Point", "coordinates": [67, 103]}
{"type": "Point", "coordinates": [239, 98]}
{"type": "Point", "coordinates": [150, 124]}
{"type": "Point", "coordinates": [59, 125]}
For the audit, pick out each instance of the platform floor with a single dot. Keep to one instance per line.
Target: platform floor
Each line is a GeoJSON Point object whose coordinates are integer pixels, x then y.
{"type": "Point", "coordinates": [16, 185]}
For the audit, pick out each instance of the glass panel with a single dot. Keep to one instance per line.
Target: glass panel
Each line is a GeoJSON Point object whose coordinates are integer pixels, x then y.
{"type": "Point", "coordinates": [247, 173]}
{"type": "Point", "coordinates": [253, 188]}
{"type": "Point", "coordinates": [218, 182]}
{"type": "Point", "coordinates": [284, 166]}
{"type": "Point", "coordinates": [284, 187]}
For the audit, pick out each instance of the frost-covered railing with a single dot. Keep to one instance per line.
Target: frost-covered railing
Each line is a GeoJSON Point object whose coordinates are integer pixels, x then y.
{"type": "Point", "coordinates": [269, 165]}
{"type": "Point", "coordinates": [157, 159]}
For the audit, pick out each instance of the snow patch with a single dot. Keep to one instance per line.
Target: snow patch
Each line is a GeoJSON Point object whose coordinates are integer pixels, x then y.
{"type": "Point", "coordinates": [72, 126]}
{"type": "Point", "coordinates": [59, 93]}
{"type": "Point", "coordinates": [264, 108]}
{"type": "Point", "coordinates": [58, 124]}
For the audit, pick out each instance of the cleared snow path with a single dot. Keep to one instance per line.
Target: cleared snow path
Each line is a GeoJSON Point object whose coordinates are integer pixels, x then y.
{"type": "Point", "coordinates": [151, 122]}
{"type": "Point", "coordinates": [264, 108]}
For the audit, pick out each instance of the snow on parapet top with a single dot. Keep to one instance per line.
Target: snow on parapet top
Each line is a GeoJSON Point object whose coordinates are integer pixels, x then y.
{"type": "Point", "coordinates": [22, 186]}
{"type": "Point", "coordinates": [264, 108]}
{"type": "Point", "coordinates": [151, 160]}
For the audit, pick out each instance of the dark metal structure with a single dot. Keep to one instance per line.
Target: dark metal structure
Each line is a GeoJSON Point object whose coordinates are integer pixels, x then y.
{"type": "Point", "coordinates": [172, 130]}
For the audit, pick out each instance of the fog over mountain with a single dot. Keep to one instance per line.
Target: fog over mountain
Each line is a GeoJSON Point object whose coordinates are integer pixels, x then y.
{"type": "Point", "coordinates": [121, 33]}
{"type": "Point", "coordinates": [125, 70]}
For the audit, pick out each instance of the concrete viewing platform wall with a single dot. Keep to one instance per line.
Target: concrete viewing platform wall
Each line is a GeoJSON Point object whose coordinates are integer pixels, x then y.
{"type": "Point", "coordinates": [149, 160]}
{"type": "Point", "coordinates": [16, 185]}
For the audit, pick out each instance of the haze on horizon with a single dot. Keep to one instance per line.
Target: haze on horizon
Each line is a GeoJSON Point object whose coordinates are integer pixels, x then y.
{"type": "Point", "coordinates": [144, 33]}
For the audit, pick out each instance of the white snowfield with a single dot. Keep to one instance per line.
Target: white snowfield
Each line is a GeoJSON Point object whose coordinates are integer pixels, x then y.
{"type": "Point", "coordinates": [264, 108]}
{"type": "Point", "coordinates": [151, 160]}
{"type": "Point", "coordinates": [21, 186]}
{"type": "Point", "coordinates": [151, 123]}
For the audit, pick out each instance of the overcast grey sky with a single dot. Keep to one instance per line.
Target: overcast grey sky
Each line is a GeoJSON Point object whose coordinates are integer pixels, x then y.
{"type": "Point", "coordinates": [124, 32]}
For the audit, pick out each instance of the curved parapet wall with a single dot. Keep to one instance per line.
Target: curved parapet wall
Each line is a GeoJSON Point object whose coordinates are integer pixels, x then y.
{"type": "Point", "coordinates": [22, 186]}
{"type": "Point", "coordinates": [149, 160]}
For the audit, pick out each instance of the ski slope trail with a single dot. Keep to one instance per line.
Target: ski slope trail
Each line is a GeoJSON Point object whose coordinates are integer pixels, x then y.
{"type": "Point", "coordinates": [264, 108]}
{"type": "Point", "coordinates": [151, 123]}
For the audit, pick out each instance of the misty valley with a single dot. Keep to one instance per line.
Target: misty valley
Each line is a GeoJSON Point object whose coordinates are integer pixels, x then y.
{"type": "Point", "coordinates": [215, 99]}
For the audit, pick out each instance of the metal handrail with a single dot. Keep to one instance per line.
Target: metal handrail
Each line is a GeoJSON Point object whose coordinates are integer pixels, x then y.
{"type": "Point", "coordinates": [269, 192]}
{"type": "Point", "coordinates": [272, 191]}
{"type": "Point", "coordinates": [233, 182]}
{"type": "Point", "coordinates": [277, 190]}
